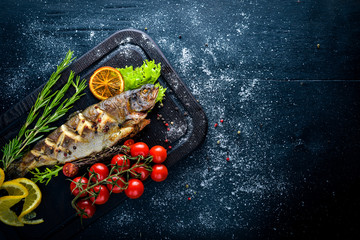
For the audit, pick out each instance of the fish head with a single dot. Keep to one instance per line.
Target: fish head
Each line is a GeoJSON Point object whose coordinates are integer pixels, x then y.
{"type": "Point", "coordinates": [143, 99]}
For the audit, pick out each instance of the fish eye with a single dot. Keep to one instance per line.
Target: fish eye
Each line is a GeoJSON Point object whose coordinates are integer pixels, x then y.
{"type": "Point", "coordinates": [133, 97]}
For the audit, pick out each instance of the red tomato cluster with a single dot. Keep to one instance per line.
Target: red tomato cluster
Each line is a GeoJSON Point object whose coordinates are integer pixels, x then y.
{"type": "Point", "coordinates": [97, 190]}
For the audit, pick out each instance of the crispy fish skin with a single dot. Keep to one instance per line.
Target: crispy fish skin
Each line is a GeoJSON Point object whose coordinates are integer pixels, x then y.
{"type": "Point", "coordinates": [99, 126]}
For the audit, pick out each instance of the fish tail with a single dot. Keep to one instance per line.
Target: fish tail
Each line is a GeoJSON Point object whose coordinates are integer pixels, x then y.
{"type": "Point", "coordinates": [14, 171]}
{"type": "Point", "coordinates": [22, 166]}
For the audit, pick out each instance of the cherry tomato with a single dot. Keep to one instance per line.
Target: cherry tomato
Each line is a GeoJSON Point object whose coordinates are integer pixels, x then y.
{"type": "Point", "coordinates": [159, 154]}
{"type": "Point", "coordinates": [88, 208]}
{"type": "Point", "coordinates": [102, 194]}
{"type": "Point", "coordinates": [70, 170]}
{"type": "Point", "coordinates": [139, 148]}
{"type": "Point", "coordinates": [159, 172]}
{"type": "Point", "coordinates": [135, 188]}
{"type": "Point", "coordinates": [75, 190]}
{"type": "Point", "coordinates": [129, 142]}
{"type": "Point", "coordinates": [144, 173]}
{"type": "Point", "coordinates": [120, 161]}
{"type": "Point", "coordinates": [116, 184]}
{"type": "Point", "coordinates": [101, 171]}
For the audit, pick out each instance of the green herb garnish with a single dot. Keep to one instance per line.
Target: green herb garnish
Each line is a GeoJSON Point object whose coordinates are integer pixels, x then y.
{"type": "Point", "coordinates": [148, 73]}
{"type": "Point", "coordinates": [51, 106]}
{"type": "Point", "coordinates": [45, 176]}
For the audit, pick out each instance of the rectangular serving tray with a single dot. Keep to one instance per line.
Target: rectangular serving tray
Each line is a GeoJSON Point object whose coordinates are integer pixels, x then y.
{"type": "Point", "coordinates": [124, 48]}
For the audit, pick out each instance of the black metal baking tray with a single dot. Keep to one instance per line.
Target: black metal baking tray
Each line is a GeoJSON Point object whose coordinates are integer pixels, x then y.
{"type": "Point", "coordinates": [124, 48]}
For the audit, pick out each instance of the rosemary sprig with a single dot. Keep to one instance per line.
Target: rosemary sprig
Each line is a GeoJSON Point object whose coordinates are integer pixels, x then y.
{"type": "Point", "coordinates": [46, 176]}
{"type": "Point", "coordinates": [52, 109]}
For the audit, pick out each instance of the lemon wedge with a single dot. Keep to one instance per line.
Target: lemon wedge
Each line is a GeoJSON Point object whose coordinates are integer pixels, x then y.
{"type": "Point", "coordinates": [32, 200]}
{"type": "Point", "coordinates": [16, 192]}
{"type": "Point", "coordinates": [2, 176]}
{"type": "Point", "coordinates": [18, 189]}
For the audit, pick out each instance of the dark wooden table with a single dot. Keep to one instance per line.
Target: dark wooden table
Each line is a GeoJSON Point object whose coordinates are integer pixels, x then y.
{"type": "Point", "coordinates": [283, 73]}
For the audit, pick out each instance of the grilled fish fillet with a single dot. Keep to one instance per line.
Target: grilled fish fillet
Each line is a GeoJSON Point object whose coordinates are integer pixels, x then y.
{"type": "Point", "coordinates": [98, 127]}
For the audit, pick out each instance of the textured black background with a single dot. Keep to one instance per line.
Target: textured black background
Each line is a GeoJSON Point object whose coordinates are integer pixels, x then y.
{"type": "Point", "coordinates": [293, 169]}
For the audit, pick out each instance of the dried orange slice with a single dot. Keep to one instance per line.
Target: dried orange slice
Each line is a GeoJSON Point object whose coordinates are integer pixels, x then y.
{"type": "Point", "coordinates": [106, 82]}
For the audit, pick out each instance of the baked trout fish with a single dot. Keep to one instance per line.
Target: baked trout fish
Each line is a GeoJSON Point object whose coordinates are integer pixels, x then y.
{"type": "Point", "coordinates": [98, 127]}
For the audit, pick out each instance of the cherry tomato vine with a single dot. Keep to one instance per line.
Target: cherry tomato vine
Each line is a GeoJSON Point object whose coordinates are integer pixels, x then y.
{"type": "Point", "coordinates": [118, 176]}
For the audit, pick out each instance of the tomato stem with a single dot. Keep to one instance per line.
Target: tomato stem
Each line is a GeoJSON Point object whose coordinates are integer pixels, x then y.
{"type": "Point", "coordinates": [119, 171]}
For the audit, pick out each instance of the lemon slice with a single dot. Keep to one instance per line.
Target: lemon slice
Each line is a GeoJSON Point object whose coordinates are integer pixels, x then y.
{"type": "Point", "coordinates": [2, 176]}
{"type": "Point", "coordinates": [31, 201]}
{"type": "Point", "coordinates": [16, 192]}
